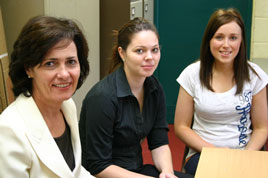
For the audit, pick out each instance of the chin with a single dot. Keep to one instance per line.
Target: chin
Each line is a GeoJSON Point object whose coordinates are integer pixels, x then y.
{"type": "Point", "coordinates": [63, 98]}
{"type": "Point", "coordinates": [67, 97]}
{"type": "Point", "coordinates": [150, 74]}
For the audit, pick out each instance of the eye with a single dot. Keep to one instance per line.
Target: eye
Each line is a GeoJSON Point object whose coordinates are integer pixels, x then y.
{"type": "Point", "coordinates": [72, 61]}
{"type": "Point", "coordinates": [139, 51]}
{"type": "Point", "coordinates": [155, 50]}
{"type": "Point", "coordinates": [219, 37]}
{"type": "Point", "coordinates": [49, 64]}
{"type": "Point", "coordinates": [233, 38]}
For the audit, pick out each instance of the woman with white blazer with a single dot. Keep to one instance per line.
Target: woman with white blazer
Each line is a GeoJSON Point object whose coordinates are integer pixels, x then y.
{"type": "Point", "coordinates": [39, 130]}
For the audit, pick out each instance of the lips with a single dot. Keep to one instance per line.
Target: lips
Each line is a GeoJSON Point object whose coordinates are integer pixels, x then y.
{"type": "Point", "coordinates": [225, 53]}
{"type": "Point", "coordinates": [62, 85]}
{"type": "Point", "coordinates": [148, 66]}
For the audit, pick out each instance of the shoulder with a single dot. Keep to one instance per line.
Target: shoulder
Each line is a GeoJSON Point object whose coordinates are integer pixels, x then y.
{"type": "Point", "coordinates": [154, 81]}
{"type": "Point", "coordinates": [11, 121]}
{"type": "Point", "coordinates": [193, 68]}
{"type": "Point", "coordinates": [255, 66]}
{"type": "Point", "coordinates": [20, 114]}
{"type": "Point", "coordinates": [260, 72]}
{"type": "Point", "coordinates": [105, 85]}
{"type": "Point", "coordinates": [189, 78]}
{"type": "Point", "coordinates": [16, 152]}
{"type": "Point", "coordinates": [191, 72]}
{"type": "Point", "coordinates": [153, 84]}
{"type": "Point", "coordinates": [102, 92]}
{"type": "Point", "coordinates": [258, 78]}
{"type": "Point", "coordinates": [11, 114]}
{"type": "Point", "coordinates": [13, 127]}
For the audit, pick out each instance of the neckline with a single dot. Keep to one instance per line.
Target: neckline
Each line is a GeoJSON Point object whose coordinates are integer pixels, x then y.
{"type": "Point", "coordinates": [233, 89]}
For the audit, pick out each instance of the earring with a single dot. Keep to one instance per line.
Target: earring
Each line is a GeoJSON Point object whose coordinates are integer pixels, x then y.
{"type": "Point", "coordinates": [123, 60]}
{"type": "Point", "coordinates": [29, 76]}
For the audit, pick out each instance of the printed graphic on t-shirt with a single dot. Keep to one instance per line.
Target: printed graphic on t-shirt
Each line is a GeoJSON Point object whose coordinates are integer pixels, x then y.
{"type": "Point", "coordinates": [244, 110]}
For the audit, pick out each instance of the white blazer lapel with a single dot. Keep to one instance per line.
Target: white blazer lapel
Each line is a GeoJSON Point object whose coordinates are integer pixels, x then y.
{"type": "Point", "coordinates": [70, 114]}
{"type": "Point", "coordinates": [41, 139]}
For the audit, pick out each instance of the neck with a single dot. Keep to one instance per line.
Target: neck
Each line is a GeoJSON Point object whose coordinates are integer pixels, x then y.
{"type": "Point", "coordinates": [52, 115]}
{"type": "Point", "coordinates": [135, 82]}
{"type": "Point", "coordinates": [226, 69]}
{"type": "Point", "coordinates": [222, 78]}
{"type": "Point", "coordinates": [48, 109]}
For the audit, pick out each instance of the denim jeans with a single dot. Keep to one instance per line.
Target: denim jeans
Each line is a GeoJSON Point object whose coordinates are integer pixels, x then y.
{"type": "Point", "coordinates": [191, 165]}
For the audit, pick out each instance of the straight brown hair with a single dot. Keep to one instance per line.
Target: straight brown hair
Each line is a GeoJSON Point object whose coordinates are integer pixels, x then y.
{"type": "Point", "coordinates": [241, 66]}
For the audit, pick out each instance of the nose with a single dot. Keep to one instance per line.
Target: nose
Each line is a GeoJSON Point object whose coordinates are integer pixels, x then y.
{"type": "Point", "coordinates": [226, 43]}
{"type": "Point", "coordinates": [63, 73]}
{"type": "Point", "coordinates": [148, 55]}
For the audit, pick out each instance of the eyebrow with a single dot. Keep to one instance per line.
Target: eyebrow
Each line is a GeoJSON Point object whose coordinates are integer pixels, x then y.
{"type": "Point", "coordinates": [224, 34]}
{"type": "Point", "coordinates": [54, 59]}
{"type": "Point", "coordinates": [72, 57]}
{"type": "Point", "coordinates": [50, 59]}
{"type": "Point", "coordinates": [156, 45]}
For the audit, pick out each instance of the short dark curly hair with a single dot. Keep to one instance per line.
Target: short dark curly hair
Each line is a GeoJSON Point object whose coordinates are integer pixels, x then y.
{"type": "Point", "coordinates": [37, 37]}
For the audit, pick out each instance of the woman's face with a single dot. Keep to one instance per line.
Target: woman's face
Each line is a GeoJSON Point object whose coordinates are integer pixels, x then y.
{"type": "Point", "coordinates": [142, 55]}
{"type": "Point", "coordinates": [56, 78]}
{"type": "Point", "coordinates": [225, 43]}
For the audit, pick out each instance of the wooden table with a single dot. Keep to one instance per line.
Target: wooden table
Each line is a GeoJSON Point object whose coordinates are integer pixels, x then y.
{"type": "Point", "coordinates": [232, 163]}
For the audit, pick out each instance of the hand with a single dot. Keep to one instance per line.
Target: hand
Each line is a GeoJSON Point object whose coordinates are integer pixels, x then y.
{"type": "Point", "coordinates": [167, 175]}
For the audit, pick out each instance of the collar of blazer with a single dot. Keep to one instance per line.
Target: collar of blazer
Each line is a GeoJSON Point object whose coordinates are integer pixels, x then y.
{"type": "Point", "coordinates": [42, 141]}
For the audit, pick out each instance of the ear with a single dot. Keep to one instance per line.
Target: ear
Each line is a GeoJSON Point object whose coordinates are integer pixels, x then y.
{"type": "Point", "coordinates": [121, 53]}
{"type": "Point", "coordinates": [29, 72]}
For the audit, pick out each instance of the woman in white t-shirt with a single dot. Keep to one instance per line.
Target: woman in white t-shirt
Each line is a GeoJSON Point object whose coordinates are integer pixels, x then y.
{"type": "Point", "coordinates": [222, 97]}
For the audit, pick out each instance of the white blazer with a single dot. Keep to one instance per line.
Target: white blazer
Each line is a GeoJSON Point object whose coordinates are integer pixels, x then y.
{"type": "Point", "coordinates": [27, 148]}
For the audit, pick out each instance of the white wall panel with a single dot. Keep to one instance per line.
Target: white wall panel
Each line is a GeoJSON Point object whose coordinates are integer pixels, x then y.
{"type": "Point", "coordinates": [87, 13]}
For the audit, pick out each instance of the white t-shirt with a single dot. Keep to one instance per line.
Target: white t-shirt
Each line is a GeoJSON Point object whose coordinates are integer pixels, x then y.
{"type": "Point", "coordinates": [222, 119]}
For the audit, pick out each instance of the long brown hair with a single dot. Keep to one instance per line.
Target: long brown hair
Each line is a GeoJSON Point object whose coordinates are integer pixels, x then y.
{"type": "Point", "coordinates": [241, 66]}
{"type": "Point", "coordinates": [123, 38]}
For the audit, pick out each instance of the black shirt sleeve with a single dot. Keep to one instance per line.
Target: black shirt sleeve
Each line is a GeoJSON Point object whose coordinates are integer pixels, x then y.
{"type": "Point", "coordinates": [96, 132]}
{"type": "Point", "coordinates": [158, 135]}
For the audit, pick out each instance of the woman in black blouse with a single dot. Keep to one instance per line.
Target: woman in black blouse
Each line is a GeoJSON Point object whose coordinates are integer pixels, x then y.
{"type": "Point", "coordinates": [125, 107]}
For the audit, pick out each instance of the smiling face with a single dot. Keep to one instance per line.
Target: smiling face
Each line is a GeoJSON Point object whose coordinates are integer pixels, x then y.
{"type": "Point", "coordinates": [142, 55]}
{"type": "Point", "coordinates": [56, 78]}
{"type": "Point", "coordinates": [225, 43]}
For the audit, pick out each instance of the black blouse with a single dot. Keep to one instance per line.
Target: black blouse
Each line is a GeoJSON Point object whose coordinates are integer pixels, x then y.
{"type": "Point", "coordinates": [64, 143]}
{"type": "Point", "coordinates": [112, 126]}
